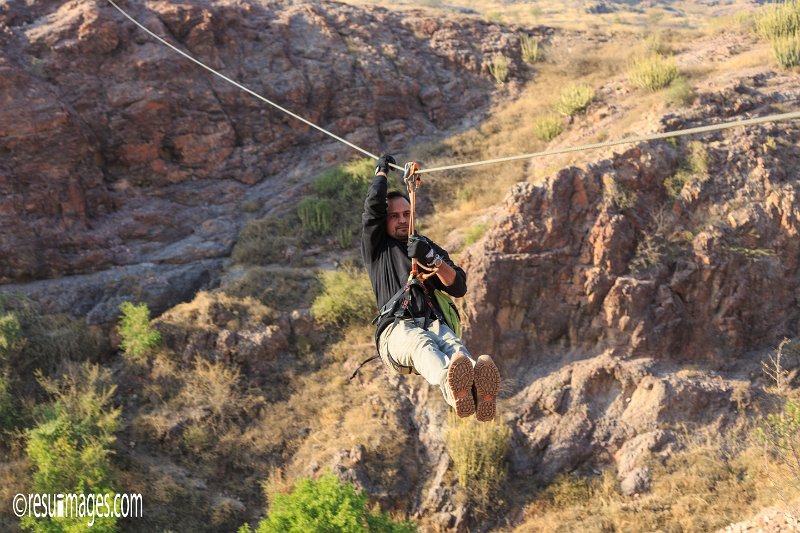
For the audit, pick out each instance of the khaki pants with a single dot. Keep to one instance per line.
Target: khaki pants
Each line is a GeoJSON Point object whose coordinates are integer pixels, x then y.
{"type": "Point", "coordinates": [405, 347]}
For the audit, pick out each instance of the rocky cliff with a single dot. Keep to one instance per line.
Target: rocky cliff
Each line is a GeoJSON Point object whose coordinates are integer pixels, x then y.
{"type": "Point", "coordinates": [666, 248]}
{"type": "Point", "coordinates": [120, 156]}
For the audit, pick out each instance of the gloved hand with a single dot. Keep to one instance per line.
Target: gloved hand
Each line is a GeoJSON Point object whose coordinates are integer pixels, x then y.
{"type": "Point", "coordinates": [420, 248]}
{"type": "Point", "coordinates": [383, 164]}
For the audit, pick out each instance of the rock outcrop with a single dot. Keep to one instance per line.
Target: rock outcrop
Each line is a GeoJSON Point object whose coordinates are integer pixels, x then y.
{"type": "Point", "coordinates": [666, 248]}
{"type": "Point", "coordinates": [117, 152]}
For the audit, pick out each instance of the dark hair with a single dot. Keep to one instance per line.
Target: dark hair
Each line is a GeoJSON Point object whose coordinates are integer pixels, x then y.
{"type": "Point", "coordinates": [397, 194]}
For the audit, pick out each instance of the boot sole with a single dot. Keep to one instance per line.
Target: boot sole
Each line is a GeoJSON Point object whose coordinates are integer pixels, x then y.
{"type": "Point", "coordinates": [487, 383]}
{"type": "Point", "coordinates": [459, 378]}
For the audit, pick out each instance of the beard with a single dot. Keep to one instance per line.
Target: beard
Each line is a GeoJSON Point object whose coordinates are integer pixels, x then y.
{"type": "Point", "coordinates": [401, 234]}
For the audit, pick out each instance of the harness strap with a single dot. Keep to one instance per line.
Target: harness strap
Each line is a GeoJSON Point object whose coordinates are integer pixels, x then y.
{"type": "Point", "coordinates": [364, 363]}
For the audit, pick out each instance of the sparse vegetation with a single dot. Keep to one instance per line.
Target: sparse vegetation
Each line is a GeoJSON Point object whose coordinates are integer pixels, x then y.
{"type": "Point", "coordinates": [778, 19]}
{"type": "Point", "coordinates": [478, 451]}
{"type": "Point", "coordinates": [138, 336]}
{"type": "Point", "coordinates": [336, 206]}
{"type": "Point", "coordinates": [680, 92]}
{"type": "Point", "coordinates": [346, 298]}
{"type": "Point", "coordinates": [326, 504]}
{"type": "Point", "coordinates": [30, 339]}
{"type": "Point", "coordinates": [71, 446]}
{"type": "Point", "coordinates": [716, 480]}
{"type": "Point", "coordinates": [618, 194]}
{"type": "Point", "coordinates": [547, 128]}
{"type": "Point", "coordinates": [475, 233]}
{"type": "Point", "coordinates": [787, 50]}
{"type": "Point", "coordinates": [316, 214]}
{"type": "Point", "coordinates": [266, 240]}
{"type": "Point", "coordinates": [574, 99]}
{"type": "Point", "coordinates": [779, 24]}
{"type": "Point", "coordinates": [652, 72]}
{"type": "Point", "coordinates": [498, 68]}
{"type": "Point", "coordinates": [531, 50]}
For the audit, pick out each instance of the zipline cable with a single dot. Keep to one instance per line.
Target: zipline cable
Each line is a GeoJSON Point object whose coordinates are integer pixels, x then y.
{"type": "Point", "coordinates": [652, 137]}
{"type": "Point", "coordinates": [629, 140]}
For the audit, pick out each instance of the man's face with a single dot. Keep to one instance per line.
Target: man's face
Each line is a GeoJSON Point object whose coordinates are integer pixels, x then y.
{"type": "Point", "coordinates": [399, 214]}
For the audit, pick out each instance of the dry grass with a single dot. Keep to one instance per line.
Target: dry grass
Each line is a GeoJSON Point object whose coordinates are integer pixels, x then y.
{"type": "Point", "coordinates": [717, 480]}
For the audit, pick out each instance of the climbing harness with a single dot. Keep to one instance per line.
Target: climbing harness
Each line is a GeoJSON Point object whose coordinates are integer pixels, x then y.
{"type": "Point", "coordinates": [794, 115]}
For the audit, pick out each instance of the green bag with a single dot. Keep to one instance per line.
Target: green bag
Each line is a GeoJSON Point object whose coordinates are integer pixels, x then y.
{"type": "Point", "coordinates": [449, 310]}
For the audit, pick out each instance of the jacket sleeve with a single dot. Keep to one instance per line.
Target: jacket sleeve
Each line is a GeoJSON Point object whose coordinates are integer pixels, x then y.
{"type": "Point", "coordinates": [373, 220]}
{"type": "Point", "coordinates": [459, 287]}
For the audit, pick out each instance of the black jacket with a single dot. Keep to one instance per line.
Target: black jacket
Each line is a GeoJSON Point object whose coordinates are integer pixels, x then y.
{"type": "Point", "coordinates": [387, 259]}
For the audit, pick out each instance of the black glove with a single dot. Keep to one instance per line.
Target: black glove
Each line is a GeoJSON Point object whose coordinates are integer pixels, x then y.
{"type": "Point", "coordinates": [383, 164]}
{"type": "Point", "coordinates": [420, 248]}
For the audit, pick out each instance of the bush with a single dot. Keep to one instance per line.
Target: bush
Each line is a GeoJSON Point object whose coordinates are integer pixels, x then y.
{"type": "Point", "coordinates": [498, 67]}
{"type": "Point", "coordinates": [680, 92]}
{"type": "Point", "coordinates": [780, 19]}
{"type": "Point", "coordinates": [478, 450]}
{"type": "Point", "coordinates": [30, 339]}
{"type": "Point", "coordinates": [71, 447]}
{"type": "Point", "coordinates": [475, 233]}
{"type": "Point", "coordinates": [698, 158]}
{"type": "Point", "coordinates": [547, 128]}
{"type": "Point", "coordinates": [786, 50]}
{"type": "Point", "coordinates": [326, 505]}
{"type": "Point", "coordinates": [346, 298]}
{"type": "Point", "coordinates": [335, 209]}
{"type": "Point", "coordinates": [653, 72]}
{"type": "Point", "coordinates": [574, 99]}
{"type": "Point", "coordinates": [8, 411]}
{"type": "Point", "coordinates": [11, 338]}
{"type": "Point", "coordinates": [138, 336]}
{"type": "Point", "coordinates": [780, 434]}
{"type": "Point", "coordinates": [264, 241]}
{"type": "Point", "coordinates": [779, 24]}
{"type": "Point", "coordinates": [316, 214]}
{"type": "Point", "coordinates": [531, 52]}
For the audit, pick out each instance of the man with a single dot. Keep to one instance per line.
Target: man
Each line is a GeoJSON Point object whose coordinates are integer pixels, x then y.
{"type": "Point", "coordinates": [416, 338]}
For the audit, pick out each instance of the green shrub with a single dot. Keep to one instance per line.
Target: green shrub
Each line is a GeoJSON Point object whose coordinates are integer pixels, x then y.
{"type": "Point", "coordinates": [531, 51]}
{"type": "Point", "coordinates": [335, 208]}
{"type": "Point", "coordinates": [698, 158]}
{"type": "Point", "coordinates": [652, 72]}
{"type": "Point", "coordinates": [786, 50]}
{"type": "Point", "coordinates": [780, 433]}
{"type": "Point", "coordinates": [680, 92]}
{"type": "Point", "coordinates": [8, 410]}
{"type": "Point", "coordinates": [475, 233]}
{"type": "Point", "coordinates": [326, 505]}
{"type": "Point", "coordinates": [346, 298]}
{"type": "Point", "coordinates": [498, 67]}
{"type": "Point", "coordinates": [71, 446]}
{"type": "Point", "coordinates": [30, 339]}
{"type": "Point", "coordinates": [547, 128]}
{"type": "Point", "coordinates": [675, 183]}
{"type": "Point", "coordinates": [574, 99]}
{"type": "Point", "coordinates": [316, 214]}
{"type": "Point", "coordinates": [779, 19]}
{"type": "Point", "coordinates": [265, 241]}
{"type": "Point", "coordinates": [11, 338]}
{"type": "Point", "coordinates": [654, 45]}
{"type": "Point", "coordinates": [478, 451]}
{"type": "Point", "coordinates": [138, 336]}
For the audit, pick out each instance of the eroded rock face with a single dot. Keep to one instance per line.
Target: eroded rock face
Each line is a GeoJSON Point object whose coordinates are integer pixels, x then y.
{"type": "Point", "coordinates": [603, 257]}
{"type": "Point", "coordinates": [116, 151]}
{"type": "Point", "coordinates": [606, 410]}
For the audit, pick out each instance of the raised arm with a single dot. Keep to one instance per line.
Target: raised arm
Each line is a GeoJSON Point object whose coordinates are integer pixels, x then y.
{"type": "Point", "coordinates": [373, 219]}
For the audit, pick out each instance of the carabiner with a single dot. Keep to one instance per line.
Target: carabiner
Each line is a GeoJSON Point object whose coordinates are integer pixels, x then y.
{"type": "Point", "coordinates": [410, 175]}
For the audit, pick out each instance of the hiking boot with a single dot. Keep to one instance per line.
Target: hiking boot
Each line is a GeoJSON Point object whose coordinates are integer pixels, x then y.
{"type": "Point", "coordinates": [487, 385]}
{"type": "Point", "coordinates": [459, 381]}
